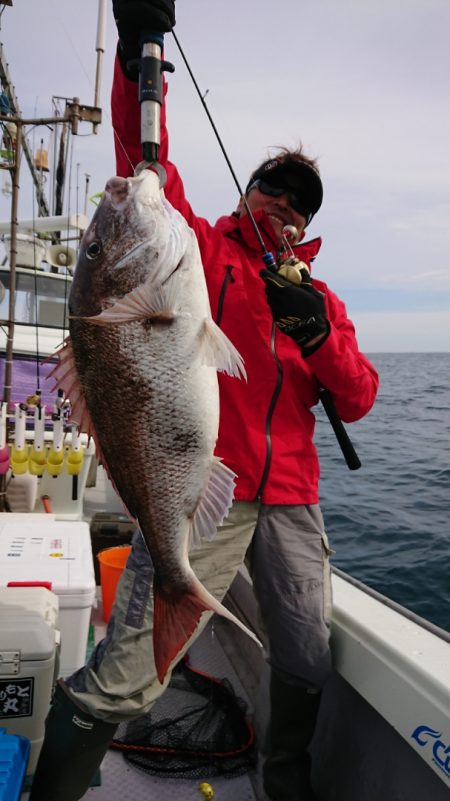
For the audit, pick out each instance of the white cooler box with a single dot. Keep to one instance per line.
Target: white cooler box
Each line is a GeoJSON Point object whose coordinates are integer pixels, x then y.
{"type": "Point", "coordinates": [29, 648]}
{"type": "Point", "coordinates": [38, 548]}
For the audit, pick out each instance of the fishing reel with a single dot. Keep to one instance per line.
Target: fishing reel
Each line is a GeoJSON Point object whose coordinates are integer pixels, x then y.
{"type": "Point", "coordinates": [288, 265]}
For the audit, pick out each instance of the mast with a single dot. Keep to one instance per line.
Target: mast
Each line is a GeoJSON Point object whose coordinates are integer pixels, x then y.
{"type": "Point", "coordinates": [60, 172]}
{"type": "Point", "coordinates": [75, 112]}
{"type": "Point", "coordinates": [5, 78]}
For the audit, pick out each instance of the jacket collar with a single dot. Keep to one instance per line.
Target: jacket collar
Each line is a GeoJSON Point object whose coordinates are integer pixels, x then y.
{"type": "Point", "coordinates": [241, 229]}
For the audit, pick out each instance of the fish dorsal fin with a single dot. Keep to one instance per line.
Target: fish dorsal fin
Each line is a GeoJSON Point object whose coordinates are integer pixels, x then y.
{"type": "Point", "coordinates": [217, 351]}
{"type": "Point", "coordinates": [149, 301]}
{"type": "Point", "coordinates": [214, 504]}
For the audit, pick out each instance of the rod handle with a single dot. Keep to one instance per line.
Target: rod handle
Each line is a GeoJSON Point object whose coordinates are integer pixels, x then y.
{"type": "Point", "coordinates": [348, 451]}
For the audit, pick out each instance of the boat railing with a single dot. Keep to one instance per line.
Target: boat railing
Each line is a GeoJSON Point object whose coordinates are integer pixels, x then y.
{"type": "Point", "coordinates": [402, 610]}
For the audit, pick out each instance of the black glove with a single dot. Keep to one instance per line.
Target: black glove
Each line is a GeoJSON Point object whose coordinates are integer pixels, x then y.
{"type": "Point", "coordinates": [299, 311]}
{"type": "Point", "coordinates": [133, 18]}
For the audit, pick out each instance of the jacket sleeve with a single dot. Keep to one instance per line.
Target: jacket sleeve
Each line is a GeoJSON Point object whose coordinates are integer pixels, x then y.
{"type": "Point", "coordinates": [340, 367]}
{"type": "Point", "coordinates": [125, 114]}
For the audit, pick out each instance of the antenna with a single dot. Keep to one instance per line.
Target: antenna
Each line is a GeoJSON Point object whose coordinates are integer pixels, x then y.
{"type": "Point", "coordinates": [100, 48]}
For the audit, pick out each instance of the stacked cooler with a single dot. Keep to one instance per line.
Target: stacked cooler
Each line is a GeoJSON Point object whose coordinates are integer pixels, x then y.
{"type": "Point", "coordinates": [47, 590]}
{"type": "Point", "coordinates": [29, 651]}
{"type": "Point", "coordinates": [38, 549]}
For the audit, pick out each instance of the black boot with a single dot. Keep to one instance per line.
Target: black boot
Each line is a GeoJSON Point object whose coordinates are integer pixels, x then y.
{"type": "Point", "coordinates": [73, 748]}
{"type": "Point", "coordinates": [287, 769]}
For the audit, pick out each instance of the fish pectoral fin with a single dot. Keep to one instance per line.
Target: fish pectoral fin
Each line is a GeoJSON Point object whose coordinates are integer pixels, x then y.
{"type": "Point", "coordinates": [66, 378]}
{"type": "Point", "coordinates": [176, 620]}
{"type": "Point", "coordinates": [146, 302]}
{"type": "Point", "coordinates": [217, 351]}
{"type": "Point", "coordinates": [214, 504]}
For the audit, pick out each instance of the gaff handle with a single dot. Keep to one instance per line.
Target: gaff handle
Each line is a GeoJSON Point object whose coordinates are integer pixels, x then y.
{"type": "Point", "coordinates": [348, 451]}
{"type": "Point", "coordinates": [151, 68]}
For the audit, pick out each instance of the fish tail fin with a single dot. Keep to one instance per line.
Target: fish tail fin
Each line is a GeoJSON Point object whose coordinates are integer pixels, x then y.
{"type": "Point", "coordinates": [175, 620]}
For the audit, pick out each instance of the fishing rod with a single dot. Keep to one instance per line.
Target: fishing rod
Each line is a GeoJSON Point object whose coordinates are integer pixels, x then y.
{"type": "Point", "coordinates": [267, 256]}
{"type": "Point", "coordinates": [151, 66]}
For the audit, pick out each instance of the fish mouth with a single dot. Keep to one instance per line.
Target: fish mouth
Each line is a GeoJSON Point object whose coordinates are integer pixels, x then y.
{"type": "Point", "coordinates": [117, 189]}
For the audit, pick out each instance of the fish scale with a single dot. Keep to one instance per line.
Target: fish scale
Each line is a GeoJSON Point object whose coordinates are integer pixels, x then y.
{"type": "Point", "coordinates": [141, 365]}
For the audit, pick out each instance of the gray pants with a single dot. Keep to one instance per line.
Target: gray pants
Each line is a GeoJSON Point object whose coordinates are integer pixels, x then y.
{"type": "Point", "coordinates": [289, 563]}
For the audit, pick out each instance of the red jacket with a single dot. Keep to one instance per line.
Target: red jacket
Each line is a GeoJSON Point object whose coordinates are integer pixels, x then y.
{"type": "Point", "coordinates": [266, 424]}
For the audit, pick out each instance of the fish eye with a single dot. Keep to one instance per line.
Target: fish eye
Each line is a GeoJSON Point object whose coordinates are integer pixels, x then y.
{"type": "Point", "coordinates": [93, 251]}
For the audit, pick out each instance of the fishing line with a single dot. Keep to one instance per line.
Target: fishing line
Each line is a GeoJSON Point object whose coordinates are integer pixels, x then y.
{"type": "Point", "coordinates": [122, 147]}
{"type": "Point", "coordinates": [92, 85]}
{"type": "Point", "coordinates": [348, 451]}
{"type": "Point", "coordinates": [79, 59]}
{"type": "Point", "coordinates": [222, 147]}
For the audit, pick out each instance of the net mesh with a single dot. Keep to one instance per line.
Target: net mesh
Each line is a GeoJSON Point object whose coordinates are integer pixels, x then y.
{"type": "Point", "coordinates": [198, 725]}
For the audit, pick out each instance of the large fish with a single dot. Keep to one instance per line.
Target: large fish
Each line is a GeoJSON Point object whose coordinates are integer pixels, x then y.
{"type": "Point", "coordinates": [140, 370]}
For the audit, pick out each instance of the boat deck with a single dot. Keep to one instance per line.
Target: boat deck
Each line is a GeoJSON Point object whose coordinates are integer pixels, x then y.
{"type": "Point", "coordinates": [122, 780]}
{"type": "Point", "coordinates": [391, 679]}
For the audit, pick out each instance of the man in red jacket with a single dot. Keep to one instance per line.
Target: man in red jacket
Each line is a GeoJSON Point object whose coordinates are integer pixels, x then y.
{"type": "Point", "coordinates": [295, 338]}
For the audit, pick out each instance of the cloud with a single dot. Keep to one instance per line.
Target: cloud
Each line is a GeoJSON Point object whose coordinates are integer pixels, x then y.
{"type": "Point", "coordinates": [361, 84]}
{"type": "Point", "coordinates": [403, 332]}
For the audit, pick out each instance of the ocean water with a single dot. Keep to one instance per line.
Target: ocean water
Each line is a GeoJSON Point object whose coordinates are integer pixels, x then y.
{"type": "Point", "coordinates": [389, 521]}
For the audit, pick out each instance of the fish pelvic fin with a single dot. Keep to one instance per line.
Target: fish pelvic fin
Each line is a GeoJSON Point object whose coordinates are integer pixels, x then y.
{"type": "Point", "coordinates": [175, 621]}
{"type": "Point", "coordinates": [149, 301]}
{"type": "Point", "coordinates": [214, 504]}
{"type": "Point", "coordinates": [217, 351]}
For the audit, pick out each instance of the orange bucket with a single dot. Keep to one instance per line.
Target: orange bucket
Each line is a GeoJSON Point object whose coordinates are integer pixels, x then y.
{"type": "Point", "coordinates": [112, 562]}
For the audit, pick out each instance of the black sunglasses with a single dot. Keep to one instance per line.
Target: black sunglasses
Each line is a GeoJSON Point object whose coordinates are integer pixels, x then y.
{"type": "Point", "coordinates": [295, 200]}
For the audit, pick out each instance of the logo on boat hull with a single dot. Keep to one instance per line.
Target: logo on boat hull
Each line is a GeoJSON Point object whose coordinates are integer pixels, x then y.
{"type": "Point", "coordinates": [431, 739]}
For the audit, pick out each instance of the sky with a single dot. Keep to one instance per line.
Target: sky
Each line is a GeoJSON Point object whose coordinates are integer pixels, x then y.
{"type": "Point", "coordinates": [365, 88]}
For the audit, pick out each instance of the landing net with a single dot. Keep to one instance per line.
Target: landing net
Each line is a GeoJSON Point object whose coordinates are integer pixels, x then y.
{"type": "Point", "coordinates": [198, 725]}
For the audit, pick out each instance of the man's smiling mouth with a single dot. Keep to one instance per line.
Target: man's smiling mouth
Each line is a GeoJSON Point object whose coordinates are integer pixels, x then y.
{"type": "Point", "coordinates": [277, 219]}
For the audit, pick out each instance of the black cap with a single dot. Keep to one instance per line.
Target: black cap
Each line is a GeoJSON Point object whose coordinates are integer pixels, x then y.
{"type": "Point", "coordinates": [295, 175]}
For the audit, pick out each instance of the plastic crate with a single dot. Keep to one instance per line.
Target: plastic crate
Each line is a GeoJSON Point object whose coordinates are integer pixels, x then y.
{"type": "Point", "coordinates": [14, 752]}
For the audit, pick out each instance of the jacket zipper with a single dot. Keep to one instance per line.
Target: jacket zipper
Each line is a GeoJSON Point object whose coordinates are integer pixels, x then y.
{"type": "Point", "coordinates": [228, 279]}
{"type": "Point", "coordinates": [270, 411]}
